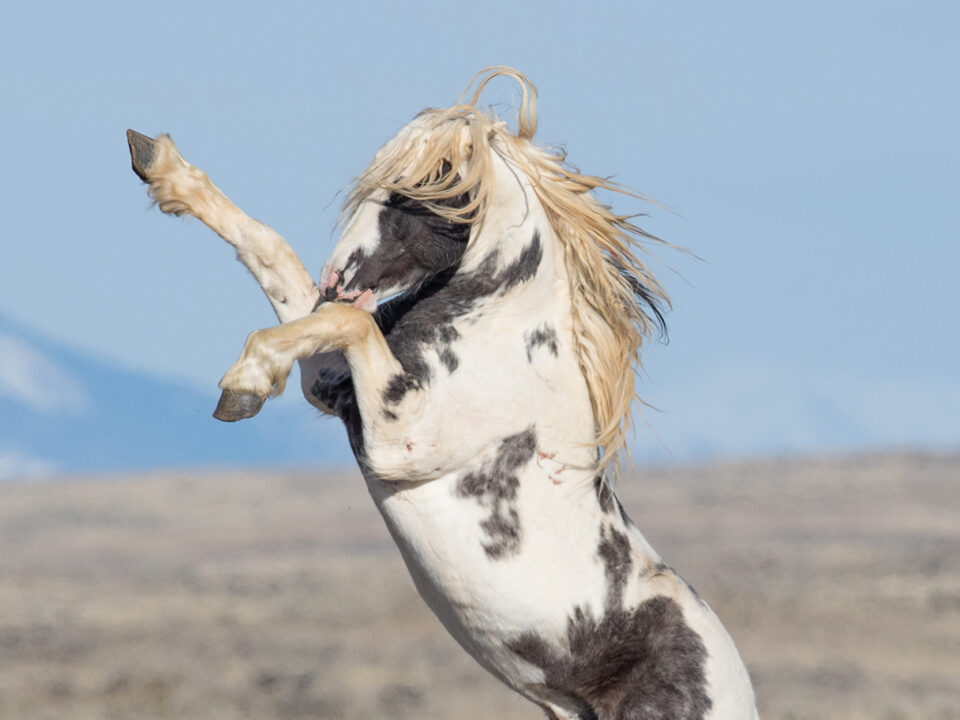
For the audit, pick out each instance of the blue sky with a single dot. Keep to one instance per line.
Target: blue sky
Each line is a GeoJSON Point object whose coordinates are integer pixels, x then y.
{"type": "Point", "coordinates": [810, 151]}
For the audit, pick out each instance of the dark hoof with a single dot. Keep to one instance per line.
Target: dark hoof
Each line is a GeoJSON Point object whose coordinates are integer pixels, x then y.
{"type": "Point", "coordinates": [142, 151]}
{"type": "Point", "coordinates": [235, 406]}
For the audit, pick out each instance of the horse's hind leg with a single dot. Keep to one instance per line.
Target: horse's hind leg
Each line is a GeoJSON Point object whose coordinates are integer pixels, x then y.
{"type": "Point", "coordinates": [180, 188]}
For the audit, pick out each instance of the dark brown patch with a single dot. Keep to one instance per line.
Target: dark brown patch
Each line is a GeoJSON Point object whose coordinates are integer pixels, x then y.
{"type": "Point", "coordinates": [333, 387]}
{"type": "Point", "coordinates": [421, 321]}
{"type": "Point", "coordinates": [398, 386]}
{"type": "Point", "coordinates": [604, 494]}
{"type": "Point", "coordinates": [614, 550]}
{"type": "Point", "coordinates": [623, 513]}
{"type": "Point", "coordinates": [631, 665]}
{"type": "Point", "coordinates": [494, 486]}
{"type": "Point", "coordinates": [542, 336]}
{"type": "Point", "coordinates": [415, 243]}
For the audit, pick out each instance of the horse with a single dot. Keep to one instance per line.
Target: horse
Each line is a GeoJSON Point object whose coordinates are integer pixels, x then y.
{"type": "Point", "coordinates": [476, 328]}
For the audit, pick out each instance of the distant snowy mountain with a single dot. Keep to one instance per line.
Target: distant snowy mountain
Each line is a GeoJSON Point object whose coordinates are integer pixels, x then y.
{"type": "Point", "coordinates": [62, 410]}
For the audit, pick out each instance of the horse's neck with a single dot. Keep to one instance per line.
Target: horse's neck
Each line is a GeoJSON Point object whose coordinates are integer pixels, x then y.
{"type": "Point", "coordinates": [506, 358]}
{"type": "Point", "coordinates": [526, 321]}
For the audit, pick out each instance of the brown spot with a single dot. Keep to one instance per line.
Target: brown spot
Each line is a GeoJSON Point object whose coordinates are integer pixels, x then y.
{"type": "Point", "coordinates": [604, 493]}
{"type": "Point", "coordinates": [614, 551]}
{"type": "Point", "coordinates": [640, 663]}
{"type": "Point", "coordinates": [494, 485]}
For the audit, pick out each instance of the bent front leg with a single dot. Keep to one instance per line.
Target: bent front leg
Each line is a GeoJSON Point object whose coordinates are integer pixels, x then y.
{"type": "Point", "coordinates": [269, 354]}
{"type": "Point", "coordinates": [180, 188]}
{"type": "Point", "coordinates": [400, 442]}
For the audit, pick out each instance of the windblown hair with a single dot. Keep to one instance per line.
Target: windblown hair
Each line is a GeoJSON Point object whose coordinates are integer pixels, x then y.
{"type": "Point", "coordinates": [616, 300]}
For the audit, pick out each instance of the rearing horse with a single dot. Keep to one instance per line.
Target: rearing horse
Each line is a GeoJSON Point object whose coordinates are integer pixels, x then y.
{"type": "Point", "coordinates": [476, 329]}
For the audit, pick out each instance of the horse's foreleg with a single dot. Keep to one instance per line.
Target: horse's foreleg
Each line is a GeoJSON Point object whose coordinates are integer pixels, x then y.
{"type": "Point", "coordinates": [269, 354]}
{"type": "Point", "coordinates": [180, 188]}
{"type": "Point", "coordinates": [399, 440]}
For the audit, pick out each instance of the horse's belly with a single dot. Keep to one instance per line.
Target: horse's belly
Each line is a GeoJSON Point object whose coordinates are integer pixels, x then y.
{"type": "Point", "coordinates": [486, 601]}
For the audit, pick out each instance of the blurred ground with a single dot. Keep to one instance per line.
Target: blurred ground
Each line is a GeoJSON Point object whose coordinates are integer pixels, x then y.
{"type": "Point", "coordinates": [280, 595]}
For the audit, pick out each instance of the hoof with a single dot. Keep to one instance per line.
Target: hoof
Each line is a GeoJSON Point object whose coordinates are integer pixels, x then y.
{"type": "Point", "coordinates": [142, 152]}
{"type": "Point", "coordinates": [235, 406]}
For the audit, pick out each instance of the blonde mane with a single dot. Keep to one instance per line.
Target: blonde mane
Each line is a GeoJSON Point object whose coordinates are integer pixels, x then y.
{"type": "Point", "coordinates": [446, 153]}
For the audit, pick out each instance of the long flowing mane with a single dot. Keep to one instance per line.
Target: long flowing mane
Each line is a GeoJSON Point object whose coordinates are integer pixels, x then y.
{"type": "Point", "coordinates": [616, 300]}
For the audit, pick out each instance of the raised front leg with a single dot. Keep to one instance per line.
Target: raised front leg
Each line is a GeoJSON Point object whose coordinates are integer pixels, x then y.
{"type": "Point", "coordinates": [180, 188]}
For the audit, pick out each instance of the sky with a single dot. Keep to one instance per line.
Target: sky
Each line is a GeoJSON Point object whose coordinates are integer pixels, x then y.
{"type": "Point", "coordinates": [807, 153]}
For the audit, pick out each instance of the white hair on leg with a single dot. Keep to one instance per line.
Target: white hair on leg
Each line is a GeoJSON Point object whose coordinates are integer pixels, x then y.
{"type": "Point", "coordinates": [179, 188]}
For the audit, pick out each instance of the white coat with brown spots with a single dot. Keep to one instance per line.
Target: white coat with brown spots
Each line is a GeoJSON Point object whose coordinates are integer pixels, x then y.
{"type": "Point", "coordinates": [450, 347]}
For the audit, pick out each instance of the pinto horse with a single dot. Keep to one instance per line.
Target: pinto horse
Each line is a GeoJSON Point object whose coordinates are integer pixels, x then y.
{"type": "Point", "coordinates": [476, 328]}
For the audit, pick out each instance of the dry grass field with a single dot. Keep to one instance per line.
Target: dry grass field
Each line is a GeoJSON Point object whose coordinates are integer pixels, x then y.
{"type": "Point", "coordinates": [280, 595]}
